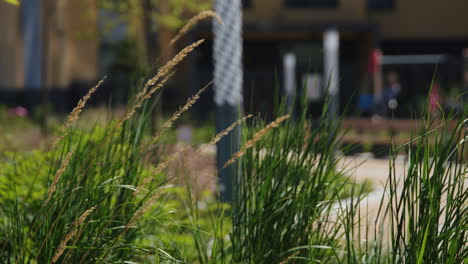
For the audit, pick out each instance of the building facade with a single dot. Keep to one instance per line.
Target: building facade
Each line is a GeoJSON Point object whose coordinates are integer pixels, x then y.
{"type": "Point", "coordinates": [62, 36]}
{"type": "Point", "coordinates": [417, 38]}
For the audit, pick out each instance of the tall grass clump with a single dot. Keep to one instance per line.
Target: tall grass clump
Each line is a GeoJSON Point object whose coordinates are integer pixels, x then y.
{"type": "Point", "coordinates": [101, 198]}
{"type": "Point", "coordinates": [428, 207]}
{"type": "Point", "coordinates": [423, 214]}
{"type": "Point", "coordinates": [288, 183]}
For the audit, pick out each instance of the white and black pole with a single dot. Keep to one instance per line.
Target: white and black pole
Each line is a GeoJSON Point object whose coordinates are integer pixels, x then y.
{"type": "Point", "coordinates": [331, 47]}
{"type": "Point", "coordinates": [228, 77]}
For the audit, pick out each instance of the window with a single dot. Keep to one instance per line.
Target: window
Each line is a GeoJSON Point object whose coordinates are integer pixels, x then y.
{"type": "Point", "coordinates": [380, 4]}
{"type": "Point", "coordinates": [246, 3]}
{"type": "Point", "coordinates": [311, 3]}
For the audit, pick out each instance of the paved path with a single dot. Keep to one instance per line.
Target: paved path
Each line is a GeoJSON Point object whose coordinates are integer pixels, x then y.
{"type": "Point", "coordinates": [376, 170]}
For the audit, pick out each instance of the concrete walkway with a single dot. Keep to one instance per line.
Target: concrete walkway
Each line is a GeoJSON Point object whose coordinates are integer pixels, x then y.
{"type": "Point", "coordinates": [364, 167]}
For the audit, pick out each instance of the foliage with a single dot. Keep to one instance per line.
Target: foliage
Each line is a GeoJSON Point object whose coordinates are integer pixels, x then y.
{"type": "Point", "coordinates": [16, 132]}
{"type": "Point", "coordinates": [101, 196]}
{"type": "Point", "coordinates": [13, 2]}
{"type": "Point", "coordinates": [17, 171]}
{"type": "Point", "coordinates": [93, 198]}
{"type": "Point", "coordinates": [423, 213]}
{"type": "Point", "coordinates": [286, 191]}
{"type": "Point", "coordinates": [293, 206]}
{"type": "Point", "coordinates": [165, 232]}
{"type": "Point", "coordinates": [167, 13]}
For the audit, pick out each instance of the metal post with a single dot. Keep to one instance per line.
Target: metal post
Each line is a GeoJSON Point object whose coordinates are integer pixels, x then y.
{"type": "Point", "coordinates": [331, 46]}
{"type": "Point", "coordinates": [228, 78]}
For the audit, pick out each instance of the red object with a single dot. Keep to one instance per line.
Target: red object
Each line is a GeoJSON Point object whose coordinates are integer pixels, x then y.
{"type": "Point", "coordinates": [434, 98]}
{"type": "Point", "coordinates": [374, 61]}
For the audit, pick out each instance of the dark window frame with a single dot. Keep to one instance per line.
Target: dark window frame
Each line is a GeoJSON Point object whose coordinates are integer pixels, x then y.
{"type": "Point", "coordinates": [323, 4]}
{"type": "Point", "coordinates": [381, 5]}
{"type": "Point", "coordinates": [247, 4]}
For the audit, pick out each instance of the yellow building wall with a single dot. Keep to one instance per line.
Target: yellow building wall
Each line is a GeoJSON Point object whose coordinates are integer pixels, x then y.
{"type": "Point", "coordinates": [425, 19]}
{"type": "Point", "coordinates": [410, 18]}
{"type": "Point", "coordinates": [72, 44]}
{"type": "Point", "coordinates": [11, 45]}
{"type": "Point", "coordinates": [274, 11]}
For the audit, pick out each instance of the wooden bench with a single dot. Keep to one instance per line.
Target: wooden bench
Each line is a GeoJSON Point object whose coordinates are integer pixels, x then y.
{"type": "Point", "coordinates": [396, 131]}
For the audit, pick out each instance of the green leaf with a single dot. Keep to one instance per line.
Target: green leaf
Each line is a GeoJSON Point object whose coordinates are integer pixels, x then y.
{"type": "Point", "coordinates": [423, 247]}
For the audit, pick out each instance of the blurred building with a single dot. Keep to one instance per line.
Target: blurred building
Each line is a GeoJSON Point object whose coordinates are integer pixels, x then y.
{"type": "Point", "coordinates": [413, 35]}
{"type": "Point", "coordinates": [46, 43]}
{"type": "Point", "coordinates": [61, 40]}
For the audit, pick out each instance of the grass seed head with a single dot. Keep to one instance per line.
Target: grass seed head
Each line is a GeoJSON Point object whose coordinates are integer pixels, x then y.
{"type": "Point", "coordinates": [226, 131]}
{"type": "Point", "coordinates": [59, 173]}
{"type": "Point", "coordinates": [255, 139]}
{"type": "Point", "coordinates": [75, 113]}
{"type": "Point", "coordinates": [190, 102]}
{"type": "Point", "coordinates": [144, 97]}
{"type": "Point", "coordinates": [71, 234]}
{"type": "Point", "coordinates": [164, 70]}
{"type": "Point", "coordinates": [193, 21]}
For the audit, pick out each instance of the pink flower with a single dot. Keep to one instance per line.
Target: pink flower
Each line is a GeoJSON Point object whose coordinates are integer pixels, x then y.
{"type": "Point", "coordinates": [18, 111]}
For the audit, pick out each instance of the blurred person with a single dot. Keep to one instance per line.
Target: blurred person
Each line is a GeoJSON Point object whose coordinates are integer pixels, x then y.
{"type": "Point", "coordinates": [365, 103]}
{"type": "Point", "coordinates": [371, 96]}
{"type": "Point", "coordinates": [388, 99]}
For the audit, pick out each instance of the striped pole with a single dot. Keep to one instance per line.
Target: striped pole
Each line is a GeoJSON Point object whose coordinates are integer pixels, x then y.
{"type": "Point", "coordinates": [228, 78]}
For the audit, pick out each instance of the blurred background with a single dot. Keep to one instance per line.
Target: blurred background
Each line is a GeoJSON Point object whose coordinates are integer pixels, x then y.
{"type": "Point", "coordinates": [394, 55]}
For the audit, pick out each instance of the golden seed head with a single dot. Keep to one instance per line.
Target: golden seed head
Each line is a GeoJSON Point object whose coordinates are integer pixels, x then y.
{"type": "Point", "coordinates": [190, 102]}
{"type": "Point", "coordinates": [139, 101]}
{"type": "Point", "coordinates": [59, 173]}
{"type": "Point", "coordinates": [193, 21]}
{"type": "Point", "coordinates": [223, 133]}
{"type": "Point", "coordinates": [255, 139]}
{"type": "Point", "coordinates": [71, 234]}
{"type": "Point", "coordinates": [163, 71]}
{"type": "Point", "coordinates": [75, 113]}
